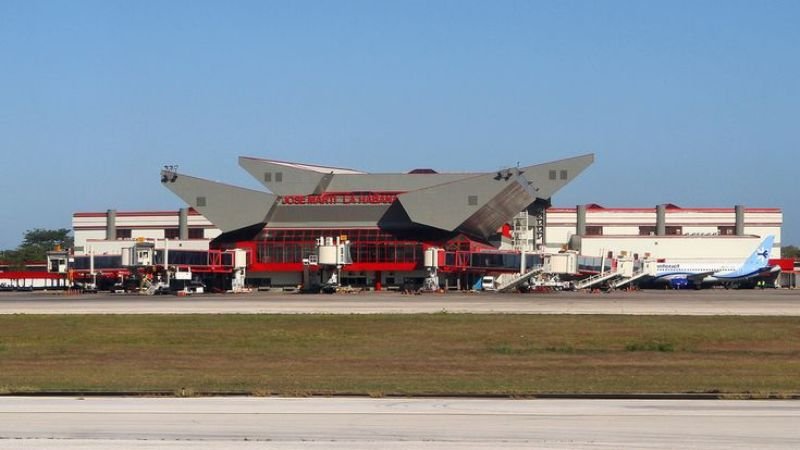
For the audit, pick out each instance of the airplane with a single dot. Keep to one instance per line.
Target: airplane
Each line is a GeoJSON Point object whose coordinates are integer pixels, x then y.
{"type": "Point", "coordinates": [701, 273]}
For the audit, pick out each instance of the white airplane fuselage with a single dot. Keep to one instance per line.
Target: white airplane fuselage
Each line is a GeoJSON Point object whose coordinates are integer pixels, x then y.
{"type": "Point", "coordinates": [715, 271]}
{"type": "Point", "coordinates": [698, 273]}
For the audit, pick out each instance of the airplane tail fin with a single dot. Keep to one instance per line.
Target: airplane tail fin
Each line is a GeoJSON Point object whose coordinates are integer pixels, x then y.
{"type": "Point", "coordinates": [761, 255]}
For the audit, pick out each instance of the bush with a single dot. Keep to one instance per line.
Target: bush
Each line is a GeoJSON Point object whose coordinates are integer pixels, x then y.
{"type": "Point", "coordinates": [650, 347]}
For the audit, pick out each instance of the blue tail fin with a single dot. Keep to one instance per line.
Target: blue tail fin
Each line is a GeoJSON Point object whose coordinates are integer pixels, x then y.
{"type": "Point", "coordinates": [761, 255]}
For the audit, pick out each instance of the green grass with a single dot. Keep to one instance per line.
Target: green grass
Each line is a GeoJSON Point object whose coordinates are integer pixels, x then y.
{"type": "Point", "coordinates": [399, 354]}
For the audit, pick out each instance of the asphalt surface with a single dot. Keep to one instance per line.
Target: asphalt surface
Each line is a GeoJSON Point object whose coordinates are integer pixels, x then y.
{"type": "Point", "coordinates": [706, 302]}
{"type": "Point", "coordinates": [357, 423]}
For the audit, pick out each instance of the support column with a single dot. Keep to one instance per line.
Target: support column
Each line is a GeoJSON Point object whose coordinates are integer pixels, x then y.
{"type": "Point", "coordinates": [661, 220]}
{"type": "Point", "coordinates": [111, 225]}
{"type": "Point", "coordinates": [580, 220]}
{"type": "Point", "coordinates": [739, 230]}
{"type": "Point", "coordinates": [183, 224]}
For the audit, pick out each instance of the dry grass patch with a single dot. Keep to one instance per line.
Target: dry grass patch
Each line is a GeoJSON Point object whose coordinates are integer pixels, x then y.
{"type": "Point", "coordinates": [399, 354]}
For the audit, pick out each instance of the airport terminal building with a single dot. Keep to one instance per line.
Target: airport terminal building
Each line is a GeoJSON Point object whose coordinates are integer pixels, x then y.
{"type": "Point", "coordinates": [389, 220]}
{"type": "Point", "coordinates": [478, 223]}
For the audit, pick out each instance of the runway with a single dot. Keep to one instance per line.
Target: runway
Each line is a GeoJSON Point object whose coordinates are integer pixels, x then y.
{"type": "Point", "coordinates": [358, 423]}
{"type": "Point", "coordinates": [655, 302]}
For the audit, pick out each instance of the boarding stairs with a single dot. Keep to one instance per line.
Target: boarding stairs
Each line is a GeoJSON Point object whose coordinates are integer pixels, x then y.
{"type": "Point", "coordinates": [632, 271]}
{"type": "Point", "coordinates": [622, 281]}
{"type": "Point", "coordinates": [515, 280]}
{"type": "Point", "coordinates": [597, 279]}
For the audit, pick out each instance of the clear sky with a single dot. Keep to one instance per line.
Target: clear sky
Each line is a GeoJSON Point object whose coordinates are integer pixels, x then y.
{"type": "Point", "coordinates": [693, 103]}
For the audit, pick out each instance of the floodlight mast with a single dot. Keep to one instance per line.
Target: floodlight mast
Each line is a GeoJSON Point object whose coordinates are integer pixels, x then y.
{"type": "Point", "coordinates": [169, 173]}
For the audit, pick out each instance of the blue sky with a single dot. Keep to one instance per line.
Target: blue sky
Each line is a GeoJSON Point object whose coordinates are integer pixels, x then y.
{"type": "Point", "coordinates": [693, 103]}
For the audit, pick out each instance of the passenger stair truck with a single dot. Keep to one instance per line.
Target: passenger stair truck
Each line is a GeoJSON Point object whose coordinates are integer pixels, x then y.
{"type": "Point", "coordinates": [509, 282]}
{"type": "Point", "coordinates": [431, 283]}
{"type": "Point", "coordinates": [332, 255]}
{"type": "Point", "coordinates": [632, 271]}
{"type": "Point", "coordinates": [514, 281]}
{"type": "Point", "coordinates": [597, 280]}
{"type": "Point", "coordinates": [137, 260]}
{"type": "Point", "coordinates": [602, 277]}
{"type": "Point", "coordinates": [565, 263]}
{"type": "Point", "coordinates": [239, 270]}
{"type": "Point", "coordinates": [547, 275]}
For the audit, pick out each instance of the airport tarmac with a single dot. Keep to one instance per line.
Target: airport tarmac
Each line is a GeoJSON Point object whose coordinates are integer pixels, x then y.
{"type": "Point", "coordinates": [773, 302]}
{"type": "Point", "coordinates": [362, 423]}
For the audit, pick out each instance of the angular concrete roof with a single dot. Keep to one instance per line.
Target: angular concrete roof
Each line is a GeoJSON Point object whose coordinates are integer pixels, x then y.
{"type": "Point", "coordinates": [228, 207]}
{"type": "Point", "coordinates": [480, 204]}
{"type": "Point", "coordinates": [473, 203]}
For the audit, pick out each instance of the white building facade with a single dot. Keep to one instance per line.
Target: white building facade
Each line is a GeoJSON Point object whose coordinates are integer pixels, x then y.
{"type": "Point", "coordinates": [665, 231]}
{"type": "Point", "coordinates": [111, 231]}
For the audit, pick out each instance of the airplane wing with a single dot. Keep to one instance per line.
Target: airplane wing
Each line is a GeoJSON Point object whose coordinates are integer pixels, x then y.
{"type": "Point", "coordinates": [699, 277]}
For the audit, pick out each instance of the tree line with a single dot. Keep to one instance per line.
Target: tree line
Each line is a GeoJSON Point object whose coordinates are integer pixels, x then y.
{"type": "Point", "coordinates": [35, 245]}
{"type": "Point", "coordinates": [790, 251]}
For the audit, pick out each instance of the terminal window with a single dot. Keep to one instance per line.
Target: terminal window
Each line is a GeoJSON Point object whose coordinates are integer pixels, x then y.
{"type": "Point", "coordinates": [123, 233]}
{"type": "Point", "coordinates": [647, 230]}
{"type": "Point", "coordinates": [674, 230]}
{"type": "Point", "coordinates": [196, 233]}
{"type": "Point", "coordinates": [171, 233]}
{"type": "Point", "coordinates": [594, 230]}
{"type": "Point", "coordinates": [726, 230]}
{"type": "Point", "coordinates": [366, 246]}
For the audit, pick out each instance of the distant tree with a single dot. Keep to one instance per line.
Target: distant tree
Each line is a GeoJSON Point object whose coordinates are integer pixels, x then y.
{"type": "Point", "coordinates": [35, 245]}
{"type": "Point", "coordinates": [790, 251]}
{"type": "Point", "coordinates": [6, 256]}
{"type": "Point", "coordinates": [14, 259]}
{"type": "Point", "coordinates": [47, 239]}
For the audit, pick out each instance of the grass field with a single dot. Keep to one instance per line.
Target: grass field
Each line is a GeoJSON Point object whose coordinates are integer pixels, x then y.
{"type": "Point", "coordinates": [399, 354]}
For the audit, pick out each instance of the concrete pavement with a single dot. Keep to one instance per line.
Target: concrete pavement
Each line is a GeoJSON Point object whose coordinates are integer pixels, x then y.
{"type": "Point", "coordinates": [706, 302]}
{"type": "Point", "coordinates": [359, 423]}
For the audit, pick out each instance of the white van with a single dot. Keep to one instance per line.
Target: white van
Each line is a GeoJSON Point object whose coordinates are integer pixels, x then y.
{"type": "Point", "coordinates": [488, 283]}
